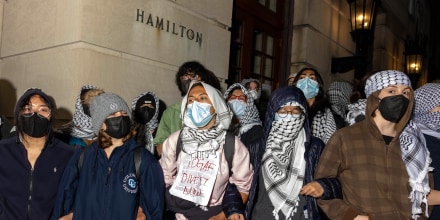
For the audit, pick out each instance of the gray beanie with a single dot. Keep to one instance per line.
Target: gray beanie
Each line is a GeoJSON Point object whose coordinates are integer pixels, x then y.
{"type": "Point", "coordinates": [104, 105]}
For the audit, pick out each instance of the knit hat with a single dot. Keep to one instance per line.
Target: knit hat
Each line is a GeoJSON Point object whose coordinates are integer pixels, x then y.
{"type": "Point", "coordinates": [104, 105]}
{"type": "Point", "coordinates": [384, 79]}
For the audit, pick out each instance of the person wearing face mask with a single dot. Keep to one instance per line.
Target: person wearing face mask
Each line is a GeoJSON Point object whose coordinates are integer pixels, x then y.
{"type": "Point", "coordinates": [254, 88]}
{"type": "Point", "coordinates": [196, 177]}
{"type": "Point", "coordinates": [145, 118]}
{"type": "Point", "coordinates": [381, 162]}
{"type": "Point", "coordinates": [79, 131]}
{"type": "Point", "coordinates": [246, 124]}
{"type": "Point", "coordinates": [108, 185]}
{"type": "Point", "coordinates": [322, 122]}
{"type": "Point", "coordinates": [32, 163]}
{"type": "Point", "coordinates": [170, 120]}
{"type": "Point", "coordinates": [426, 115]}
{"type": "Point", "coordinates": [287, 161]}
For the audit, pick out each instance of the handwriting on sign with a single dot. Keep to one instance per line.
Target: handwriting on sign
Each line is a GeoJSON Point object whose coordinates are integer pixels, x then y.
{"type": "Point", "coordinates": [202, 165]}
{"type": "Point", "coordinates": [191, 179]}
{"type": "Point", "coordinates": [192, 191]}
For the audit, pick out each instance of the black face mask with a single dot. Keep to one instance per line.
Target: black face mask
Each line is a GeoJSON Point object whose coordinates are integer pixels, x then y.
{"type": "Point", "coordinates": [144, 114]}
{"type": "Point", "coordinates": [185, 85]}
{"type": "Point", "coordinates": [34, 126]}
{"type": "Point", "coordinates": [393, 108]}
{"type": "Point", "coordinates": [86, 110]}
{"type": "Point", "coordinates": [118, 127]}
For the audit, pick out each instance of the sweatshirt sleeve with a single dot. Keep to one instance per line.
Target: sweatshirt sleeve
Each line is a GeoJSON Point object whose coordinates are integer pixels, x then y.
{"type": "Point", "coordinates": [329, 167]}
{"type": "Point", "coordinates": [242, 171]}
{"type": "Point", "coordinates": [152, 188]}
{"type": "Point", "coordinates": [168, 160]}
{"type": "Point", "coordinates": [67, 188]}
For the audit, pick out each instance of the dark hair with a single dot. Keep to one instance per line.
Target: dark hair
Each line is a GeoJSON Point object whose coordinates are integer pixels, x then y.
{"type": "Point", "coordinates": [24, 100]}
{"type": "Point", "coordinates": [198, 69]}
{"type": "Point", "coordinates": [321, 101]}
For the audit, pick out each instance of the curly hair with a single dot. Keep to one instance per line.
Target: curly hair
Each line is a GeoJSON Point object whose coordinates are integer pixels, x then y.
{"type": "Point", "coordinates": [198, 69]}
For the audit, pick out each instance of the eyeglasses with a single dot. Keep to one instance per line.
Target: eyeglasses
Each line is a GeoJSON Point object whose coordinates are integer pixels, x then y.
{"type": "Point", "coordinates": [42, 111]}
{"type": "Point", "coordinates": [282, 113]}
{"type": "Point", "coordinates": [239, 97]}
{"type": "Point", "coordinates": [191, 76]}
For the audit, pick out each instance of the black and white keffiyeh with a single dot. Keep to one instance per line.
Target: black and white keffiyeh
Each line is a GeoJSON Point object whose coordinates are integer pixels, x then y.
{"type": "Point", "coordinates": [384, 79]}
{"type": "Point", "coordinates": [200, 142]}
{"type": "Point", "coordinates": [323, 125]}
{"type": "Point", "coordinates": [427, 98]}
{"type": "Point", "coordinates": [283, 165]}
{"type": "Point", "coordinates": [81, 125]}
{"type": "Point", "coordinates": [251, 115]}
{"type": "Point", "coordinates": [339, 97]}
{"type": "Point", "coordinates": [150, 126]}
{"type": "Point", "coordinates": [356, 111]}
{"type": "Point", "coordinates": [417, 160]}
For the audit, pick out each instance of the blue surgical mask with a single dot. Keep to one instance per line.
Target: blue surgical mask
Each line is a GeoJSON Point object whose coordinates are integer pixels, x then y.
{"type": "Point", "coordinates": [237, 107]}
{"type": "Point", "coordinates": [286, 117]}
{"type": "Point", "coordinates": [309, 87]}
{"type": "Point", "coordinates": [199, 113]}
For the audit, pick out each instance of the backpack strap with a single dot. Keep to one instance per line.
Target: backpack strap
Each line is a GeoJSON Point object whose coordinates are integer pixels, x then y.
{"type": "Point", "coordinates": [228, 148]}
{"type": "Point", "coordinates": [137, 157]}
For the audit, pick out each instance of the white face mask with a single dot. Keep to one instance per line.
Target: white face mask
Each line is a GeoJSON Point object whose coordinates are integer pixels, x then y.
{"type": "Point", "coordinates": [254, 94]}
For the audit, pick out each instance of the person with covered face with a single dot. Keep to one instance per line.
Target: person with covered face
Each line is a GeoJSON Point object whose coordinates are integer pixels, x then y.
{"type": "Point", "coordinates": [32, 163]}
{"type": "Point", "coordinates": [105, 181]}
{"type": "Point", "coordinates": [79, 131]}
{"type": "Point", "coordinates": [246, 124]}
{"type": "Point", "coordinates": [193, 160]}
{"type": "Point", "coordinates": [145, 117]}
{"type": "Point", "coordinates": [170, 120]}
{"type": "Point", "coordinates": [381, 161]}
{"type": "Point", "coordinates": [426, 115]}
{"type": "Point", "coordinates": [322, 122]}
{"type": "Point", "coordinates": [288, 162]}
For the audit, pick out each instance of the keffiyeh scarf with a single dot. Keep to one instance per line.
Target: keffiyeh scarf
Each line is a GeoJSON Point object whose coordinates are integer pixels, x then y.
{"type": "Point", "coordinates": [339, 97]}
{"type": "Point", "coordinates": [427, 98]}
{"type": "Point", "coordinates": [323, 125]}
{"type": "Point", "coordinates": [355, 111]}
{"type": "Point", "coordinates": [150, 126]}
{"type": "Point", "coordinates": [416, 157]}
{"type": "Point", "coordinates": [251, 117]}
{"type": "Point", "coordinates": [283, 165]}
{"type": "Point", "coordinates": [81, 125]}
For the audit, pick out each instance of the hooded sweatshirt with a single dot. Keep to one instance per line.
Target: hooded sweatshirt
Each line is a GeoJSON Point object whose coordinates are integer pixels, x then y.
{"type": "Point", "coordinates": [373, 176]}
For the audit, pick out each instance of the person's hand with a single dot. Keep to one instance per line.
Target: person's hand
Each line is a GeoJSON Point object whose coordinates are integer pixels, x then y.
{"type": "Point", "coordinates": [219, 216]}
{"type": "Point", "coordinates": [313, 189]}
{"type": "Point", "coordinates": [361, 217]}
{"type": "Point", "coordinates": [67, 217]}
{"type": "Point", "coordinates": [141, 215]}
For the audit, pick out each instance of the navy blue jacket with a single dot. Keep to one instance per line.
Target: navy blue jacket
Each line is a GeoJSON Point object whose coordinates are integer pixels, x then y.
{"type": "Point", "coordinates": [26, 193]}
{"type": "Point", "coordinates": [313, 146]}
{"type": "Point", "coordinates": [108, 188]}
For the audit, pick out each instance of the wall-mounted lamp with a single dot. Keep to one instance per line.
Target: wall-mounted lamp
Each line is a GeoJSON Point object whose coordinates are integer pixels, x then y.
{"type": "Point", "coordinates": [362, 14]}
{"type": "Point", "coordinates": [414, 54]}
